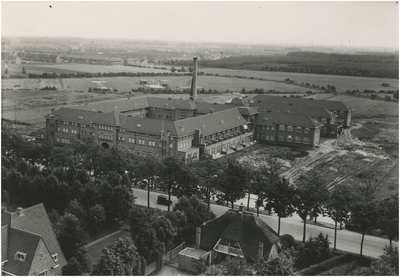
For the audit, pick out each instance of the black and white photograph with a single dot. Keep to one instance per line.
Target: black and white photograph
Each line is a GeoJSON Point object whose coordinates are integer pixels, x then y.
{"type": "Point", "coordinates": [186, 138]}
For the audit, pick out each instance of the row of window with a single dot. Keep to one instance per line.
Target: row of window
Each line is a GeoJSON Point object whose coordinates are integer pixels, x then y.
{"type": "Point", "coordinates": [143, 153]}
{"type": "Point", "coordinates": [184, 144]}
{"type": "Point", "coordinates": [68, 123]}
{"type": "Point", "coordinates": [292, 128]}
{"type": "Point", "coordinates": [289, 138]}
{"type": "Point", "coordinates": [104, 127]}
{"type": "Point", "coordinates": [103, 136]}
{"type": "Point", "coordinates": [62, 140]}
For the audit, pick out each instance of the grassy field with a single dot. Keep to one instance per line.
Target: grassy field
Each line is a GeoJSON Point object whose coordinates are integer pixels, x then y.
{"type": "Point", "coordinates": [125, 84]}
{"type": "Point", "coordinates": [342, 83]}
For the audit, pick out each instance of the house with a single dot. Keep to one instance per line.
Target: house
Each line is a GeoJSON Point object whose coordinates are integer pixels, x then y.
{"type": "Point", "coordinates": [40, 57]}
{"type": "Point", "coordinates": [28, 243]}
{"type": "Point", "coordinates": [234, 234]}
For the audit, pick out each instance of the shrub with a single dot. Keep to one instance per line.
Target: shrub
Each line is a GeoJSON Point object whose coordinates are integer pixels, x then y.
{"type": "Point", "coordinates": [314, 251]}
{"type": "Point", "coordinates": [289, 239]}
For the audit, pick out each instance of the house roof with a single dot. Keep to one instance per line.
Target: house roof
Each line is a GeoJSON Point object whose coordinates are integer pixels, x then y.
{"type": "Point", "coordinates": [20, 241]}
{"type": "Point", "coordinates": [75, 115]}
{"type": "Point", "coordinates": [240, 101]}
{"type": "Point", "coordinates": [283, 118]}
{"type": "Point", "coordinates": [111, 118]}
{"type": "Point", "coordinates": [120, 105]}
{"type": "Point", "coordinates": [146, 125]}
{"type": "Point", "coordinates": [247, 110]}
{"type": "Point", "coordinates": [36, 221]}
{"type": "Point", "coordinates": [245, 228]}
{"type": "Point", "coordinates": [170, 104]}
{"type": "Point", "coordinates": [313, 111]}
{"type": "Point", "coordinates": [205, 107]}
{"type": "Point", "coordinates": [330, 105]}
{"type": "Point", "coordinates": [210, 123]}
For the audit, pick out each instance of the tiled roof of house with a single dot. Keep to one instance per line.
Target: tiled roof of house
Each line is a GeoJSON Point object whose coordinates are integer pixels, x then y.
{"type": "Point", "coordinates": [330, 105]}
{"type": "Point", "coordinates": [210, 123]}
{"type": "Point", "coordinates": [20, 241]}
{"type": "Point", "coordinates": [245, 228]}
{"type": "Point", "coordinates": [273, 118]}
{"type": "Point", "coordinates": [313, 111]}
{"type": "Point", "coordinates": [205, 107]}
{"type": "Point", "coordinates": [75, 115]}
{"type": "Point", "coordinates": [146, 125]}
{"type": "Point", "coordinates": [240, 101]}
{"type": "Point", "coordinates": [111, 118]}
{"type": "Point", "coordinates": [247, 110]}
{"type": "Point", "coordinates": [4, 242]}
{"type": "Point", "coordinates": [164, 103]}
{"type": "Point", "coordinates": [36, 221]}
{"type": "Point", "coordinates": [121, 105]}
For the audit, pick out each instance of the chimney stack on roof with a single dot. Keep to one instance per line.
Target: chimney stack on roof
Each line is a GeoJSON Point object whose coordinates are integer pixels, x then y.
{"type": "Point", "coordinates": [20, 211]}
{"type": "Point", "coordinates": [193, 90]}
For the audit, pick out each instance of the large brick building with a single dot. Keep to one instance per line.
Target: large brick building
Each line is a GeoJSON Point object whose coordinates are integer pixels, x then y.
{"type": "Point", "coordinates": [188, 128]}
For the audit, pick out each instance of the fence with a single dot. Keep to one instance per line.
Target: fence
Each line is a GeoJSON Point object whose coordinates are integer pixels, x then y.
{"type": "Point", "coordinates": [169, 256]}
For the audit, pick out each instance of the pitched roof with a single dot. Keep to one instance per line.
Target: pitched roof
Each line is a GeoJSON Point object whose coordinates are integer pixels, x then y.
{"type": "Point", "coordinates": [36, 221]}
{"type": "Point", "coordinates": [170, 103]}
{"type": "Point", "coordinates": [111, 118]}
{"type": "Point", "coordinates": [75, 115]}
{"type": "Point", "coordinates": [247, 110]}
{"type": "Point", "coordinates": [210, 123]}
{"type": "Point", "coordinates": [4, 242]}
{"type": "Point", "coordinates": [283, 118]}
{"type": "Point", "coordinates": [245, 228]}
{"type": "Point", "coordinates": [205, 108]}
{"type": "Point", "coordinates": [313, 111]}
{"type": "Point", "coordinates": [121, 105]}
{"type": "Point", "coordinates": [20, 241]}
{"type": "Point", "coordinates": [330, 105]}
{"type": "Point", "coordinates": [146, 125]}
{"type": "Point", "coordinates": [240, 101]}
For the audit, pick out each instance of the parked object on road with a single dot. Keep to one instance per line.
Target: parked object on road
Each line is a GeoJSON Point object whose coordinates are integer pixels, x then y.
{"type": "Point", "coordinates": [163, 200]}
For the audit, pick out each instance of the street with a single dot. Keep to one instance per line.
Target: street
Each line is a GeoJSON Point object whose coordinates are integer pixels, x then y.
{"type": "Point", "coordinates": [346, 240]}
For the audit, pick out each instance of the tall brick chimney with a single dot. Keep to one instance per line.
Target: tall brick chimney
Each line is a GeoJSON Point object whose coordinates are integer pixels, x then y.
{"type": "Point", "coordinates": [193, 90]}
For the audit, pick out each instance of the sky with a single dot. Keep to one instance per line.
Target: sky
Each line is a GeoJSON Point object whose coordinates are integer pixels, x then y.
{"type": "Point", "coordinates": [361, 23]}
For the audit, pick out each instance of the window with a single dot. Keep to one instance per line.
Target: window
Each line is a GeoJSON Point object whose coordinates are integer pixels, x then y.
{"type": "Point", "coordinates": [289, 138]}
{"type": "Point", "coordinates": [268, 127]}
{"type": "Point", "coordinates": [297, 139]}
{"type": "Point", "coordinates": [323, 120]}
{"type": "Point", "coordinates": [306, 140]}
{"type": "Point", "coordinates": [65, 130]}
{"type": "Point", "coordinates": [298, 129]}
{"type": "Point", "coordinates": [58, 139]}
{"type": "Point", "coordinates": [171, 145]}
{"type": "Point", "coordinates": [20, 256]}
{"type": "Point", "coordinates": [324, 129]}
{"type": "Point", "coordinates": [272, 128]}
{"type": "Point", "coordinates": [262, 137]}
{"type": "Point", "coordinates": [55, 257]}
{"type": "Point", "coordinates": [122, 138]}
{"type": "Point", "coordinates": [263, 127]}
{"type": "Point", "coordinates": [282, 127]}
{"type": "Point", "coordinates": [341, 113]}
{"type": "Point", "coordinates": [131, 140]}
{"type": "Point", "coordinates": [281, 138]}
{"type": "Point", "coordinates": [290, 128]}
{"type": "Point", "coordinates": [58, 129]}
{"type": "Point", "coordinates": [267, 137]}
{"type": "Point", "coordinates": [271, 138]}
{"type": "Point", "coordinates": [74, 131]}
{"type": "Point", "coordinates": [306, 130]}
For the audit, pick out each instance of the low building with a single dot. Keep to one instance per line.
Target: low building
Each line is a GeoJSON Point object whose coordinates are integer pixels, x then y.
{"type": "Point", "coordinates": [40, 57]}
{"type": "Point", "coordinates": [28, 243]}
{"type": "Point", "coordinates": [234, 234]}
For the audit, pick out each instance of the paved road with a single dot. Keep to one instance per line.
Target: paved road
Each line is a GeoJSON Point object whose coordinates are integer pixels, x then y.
{"type": "Point", "coordinates": [346, 240]}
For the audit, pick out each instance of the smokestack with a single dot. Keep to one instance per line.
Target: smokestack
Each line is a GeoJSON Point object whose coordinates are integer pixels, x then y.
{"type": "Point", "coordinates": [198, 236]}
{"type": "Point", "coordinates": [193, 90]}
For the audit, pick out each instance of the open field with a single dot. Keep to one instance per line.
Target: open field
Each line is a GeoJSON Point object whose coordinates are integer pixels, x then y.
{"type": "Point", "coordinates": [89, 68]}
{"type": "Point", "coordinates": [125, 84]}
{"type": "Point", "coordinates": [342, 83]}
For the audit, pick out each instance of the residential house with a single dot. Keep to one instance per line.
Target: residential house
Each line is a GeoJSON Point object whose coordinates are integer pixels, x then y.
{"type": "Point", "coordinates": [28, 243]}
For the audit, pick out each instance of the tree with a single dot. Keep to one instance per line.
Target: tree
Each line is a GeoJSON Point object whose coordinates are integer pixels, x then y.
{"type": "Point", "coordinates": [173, 69]}
{"type": "Point", "coordinates": [282, 265]}
{"type": "Point", "coordinates": [338, 206]}
{"type": "Point", "coordinates": [118, 259]}
{"type": "Point", "coordinates": [146, 169]}
{"type": "Point", "coordinates": [232, 180]}
{"type": "Point", "coordinates": [196, 214]}
{"type": "Point", "coordinates": [147, 243]}
{"type": "Point", "coordinates": [70, 235]}
{"type": "Point", "coordinates": [173, 174]}
{"type": "Point", "coordinates": [6, 71]}
{"type": "Point", "coordinates": [95, 219]}
{"type": "Point", "coordinates": [388, 211]}
{"type": "Point", "coordinates": [23, 70]}
{"type": "Point", "coordinates": [311, 194]}
{"type": "Point", "coordinates": [90, 89]}
{"type": "Point", "coordinates": [396, 95]}
{"type": "Point", "coordinates": [206, 171]}
{"type": "Point", "coordinates": [364, 215]}
{"type": "Point", "coordinates": [79, 264]}
{"type": "Point", "coordinates": [314, 251]}
{"type": "Point", "coordinates": [281, 198]}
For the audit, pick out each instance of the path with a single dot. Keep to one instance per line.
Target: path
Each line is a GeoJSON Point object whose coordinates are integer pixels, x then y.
{"type": "Point", "coordinates": [103, 238]}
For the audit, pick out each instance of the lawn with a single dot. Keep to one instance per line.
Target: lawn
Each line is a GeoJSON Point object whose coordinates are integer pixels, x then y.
{"type": "Point", "coordinates": [94, 251]}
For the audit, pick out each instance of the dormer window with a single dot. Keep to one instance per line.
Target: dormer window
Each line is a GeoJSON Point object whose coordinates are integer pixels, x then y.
{"type": "Point", "coordinates": [55, 257]}
{"type": "Point", "coordinates": [20, 256]}
{"type": "Point", "coordinates": [138, 125]}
